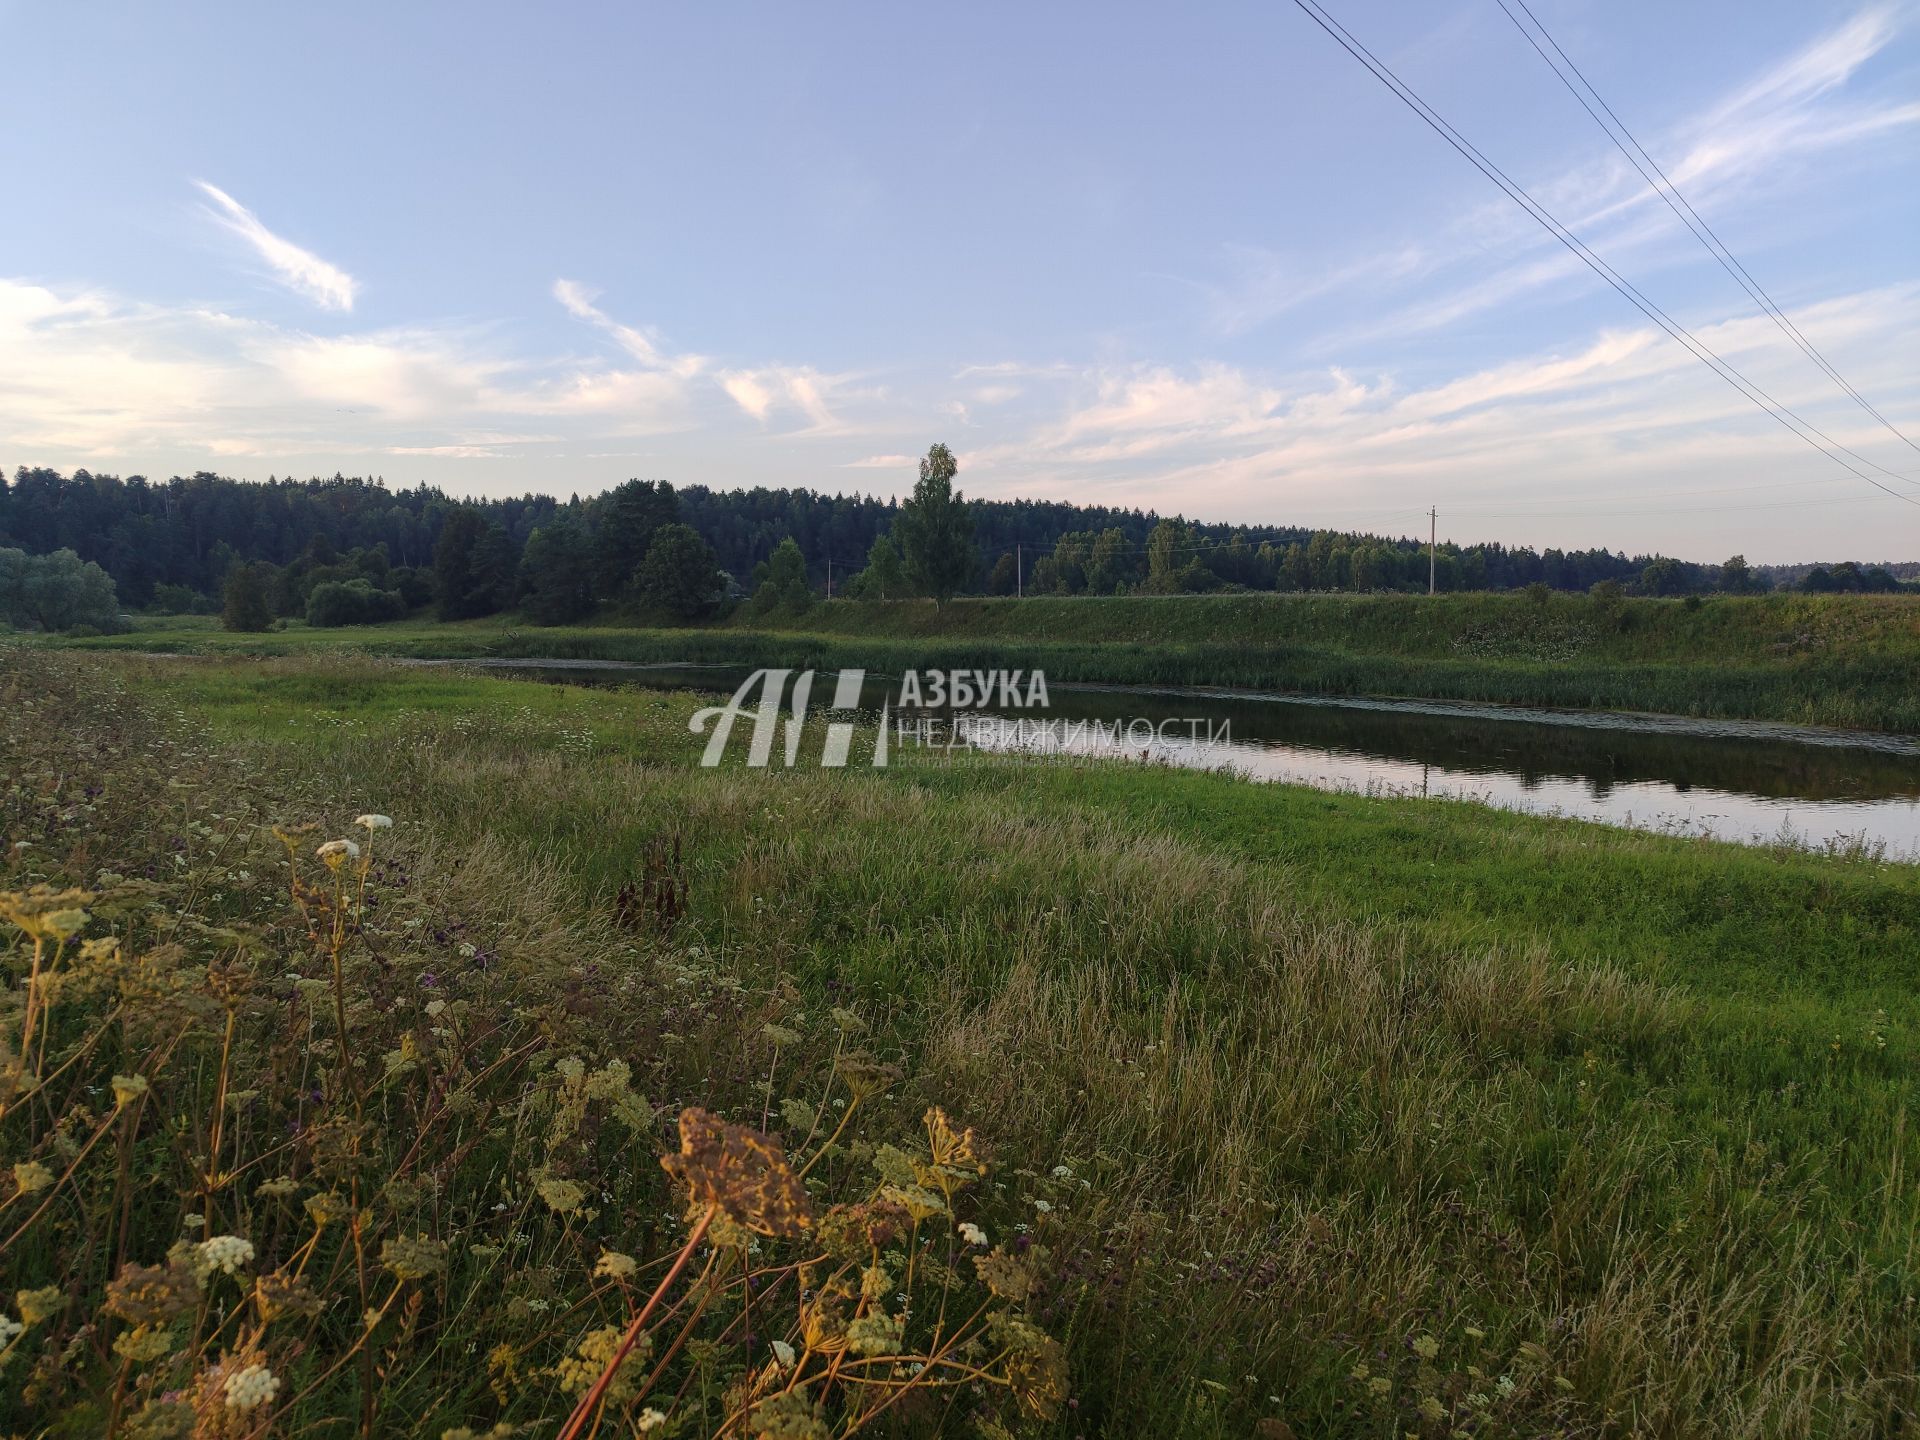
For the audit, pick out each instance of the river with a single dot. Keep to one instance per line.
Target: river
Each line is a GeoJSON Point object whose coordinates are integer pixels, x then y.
{"type": "Point", "coordinates": [1745, 781]}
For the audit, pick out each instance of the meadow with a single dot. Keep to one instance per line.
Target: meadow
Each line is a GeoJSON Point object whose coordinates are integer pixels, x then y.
{"type": "Point", "coordinates": [1840, 660]}
{"type": "Point", "coordinates": [1301, 1114]}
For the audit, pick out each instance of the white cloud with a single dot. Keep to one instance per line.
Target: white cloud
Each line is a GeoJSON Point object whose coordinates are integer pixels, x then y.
{"type": "Point", "coordinates": [578, 300]}
{"type": "Point", "coordinates": [882, 462]}
{"type": "Point", "coordinates": [300, 270]}
{"type": "Point", "coordinates": [1795, 109]}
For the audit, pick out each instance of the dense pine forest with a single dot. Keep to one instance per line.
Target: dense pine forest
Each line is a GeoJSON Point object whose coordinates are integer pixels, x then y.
{"type": "Point", "coordinates": [346, 549]}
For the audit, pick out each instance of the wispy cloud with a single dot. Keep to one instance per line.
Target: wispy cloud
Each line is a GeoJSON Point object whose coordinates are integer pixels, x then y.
{"type": "Point", "coordinates": [300, 270]}
{"type": "Point", "coordinates": [1794, 109]}
{"type": "Point", "coordinates": [578, 301]}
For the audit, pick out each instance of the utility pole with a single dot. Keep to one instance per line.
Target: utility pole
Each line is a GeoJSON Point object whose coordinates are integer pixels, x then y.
{"type": "Point", "coordinates": [829, 577]}
{"type": "Point", "coordinates": [1019, 573]}
{"type": "Point", "coordinates": [1433, 537]}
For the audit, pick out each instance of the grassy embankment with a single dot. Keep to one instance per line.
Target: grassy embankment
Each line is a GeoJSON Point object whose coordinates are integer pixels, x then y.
{"type": "Point", "coordinates": [1826, 660]}
{"type": "Point", "coordinates": [1381, 1117]}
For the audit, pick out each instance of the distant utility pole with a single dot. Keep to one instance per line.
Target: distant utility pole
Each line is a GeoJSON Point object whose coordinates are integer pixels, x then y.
{"type": "Point", "coordinates": [829, 577]}
{"type": "Point", "coordinates": [1433, 536]}
{"type": "Point", "coordinates": [1019, 573]}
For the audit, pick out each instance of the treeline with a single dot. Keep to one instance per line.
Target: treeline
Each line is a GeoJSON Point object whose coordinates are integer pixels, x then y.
{"type": "Point", "coordinates": [345, 550]}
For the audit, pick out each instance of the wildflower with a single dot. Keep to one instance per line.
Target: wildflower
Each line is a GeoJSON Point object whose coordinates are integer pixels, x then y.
{"type": "Point", "coordinates": [31, 1176]}
{"type": "Point", "coordinates": [277, 1188]}
{"type": "Point", "coordinates": [280, 1296]}
{"type": "Point", "coordinates": [1432, 1411]}
{"type": "Point", "coordinates": [41, 1304]}
{"type": "Point", "coordinates": [742, 1172]}
{"type": "Point", "coordinates": [1043, 1207]}
{"type": "Point", "coordinates": [789, 1417]}
{"type": "Point", "coordinates": [578, 1372]}
{"type": "Point", "coordinates": [225, 1252]}
{"type": "Point", "coordinates": [436, 1007]}
{"type": "Point", "coordinates": [327, 1208]}
{"type": "Point", "coordinates": [563, 1195]}
{"type": "Point", "coordinates": [972, 1233]}
{"type": "Point", "coordinates": [128, 1088]}
{"type": "Point", "coordinates": [616, 1266]}
{"type": "Point", "coordinates": [1061, 1172]}
{"type": "Point", "coordinates": [10, 1329]}
{"type": "Point", "coordinates": [143, 1343]}
{"type": "Point", "coordinates": [783, 1354]}
{"type": "Point", "coordinates": [252, 1387]}
{"type": "Point", "coordinates": [337, 852]}
{"type": "Point", "coordinates": [875, 1335]}
{"type": "Point", "coordinates": [414, 1259]}
{"type": "Point", "coordinates": [1004, 1275]}
{"type": "Point", "coordinates": [64, 923]}
{"type": "Point", "coordinates": [373, 822]}
{"type": "Point", "coordinates": [650, 1419]}
{"type": "Point", "coordinates": [1426, 1347]}
{"type": "Point", "coordinates": [919, 1202]}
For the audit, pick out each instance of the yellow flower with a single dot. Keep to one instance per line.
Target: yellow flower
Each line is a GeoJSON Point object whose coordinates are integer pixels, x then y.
{"type": "Point", "coordinates": [563, 1195]}
{"type": "Point", "coordinates": [128, 1088]}
{"type": "Point", "coordinates": [31, 1176]}
{"type": "Point", "coordinates": [337, 852]}
{"type": "Point", "coordinates": [616, 1266]}
{"type": "Point", "coordinates": [41, 1304]}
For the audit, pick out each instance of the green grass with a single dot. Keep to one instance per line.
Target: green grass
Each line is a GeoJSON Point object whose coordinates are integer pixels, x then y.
{"type": "Point", "coordinates": [1827, 660]}
{"type": "Point", "coordinates": [1343, 1071]}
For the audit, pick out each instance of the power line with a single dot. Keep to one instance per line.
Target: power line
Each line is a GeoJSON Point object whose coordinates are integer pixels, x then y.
{"type": "Point", "coordinates": [1579, 247]}
{"type": "Point", "coordinates": [1681, 207]}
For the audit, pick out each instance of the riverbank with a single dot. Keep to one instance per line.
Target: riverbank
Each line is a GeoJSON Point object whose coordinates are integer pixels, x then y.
{"type": "Point", "coordinates": [1838, 661]}
{"type": "Point", "coordinates": [1546, 1128]}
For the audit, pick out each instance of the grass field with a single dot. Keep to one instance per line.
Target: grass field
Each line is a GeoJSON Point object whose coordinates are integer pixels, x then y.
{"type": "Point", "coordinates": [1825, 660]}
{"type": "Point", "coordinates": [1362, 1117]}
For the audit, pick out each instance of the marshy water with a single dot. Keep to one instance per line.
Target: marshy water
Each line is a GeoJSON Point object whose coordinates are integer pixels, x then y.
{"type": "Point", "coordinates": [1736, 780]}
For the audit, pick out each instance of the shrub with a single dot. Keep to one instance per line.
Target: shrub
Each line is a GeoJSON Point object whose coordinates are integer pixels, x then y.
{"type": "Point", "coordinates": [352, 602]}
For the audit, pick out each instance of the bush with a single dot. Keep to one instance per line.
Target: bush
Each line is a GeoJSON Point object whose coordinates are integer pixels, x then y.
{"type": "Point", "coordinates": [56, 592]}
{"type": "Point", "coordinates": [352, 602]}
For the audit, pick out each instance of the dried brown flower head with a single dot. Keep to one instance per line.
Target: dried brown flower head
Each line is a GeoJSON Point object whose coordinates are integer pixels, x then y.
{"type": "Point", "coordinates": [742, 1172]}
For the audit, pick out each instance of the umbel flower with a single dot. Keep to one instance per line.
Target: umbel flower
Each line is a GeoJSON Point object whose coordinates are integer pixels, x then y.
{"type": "Point", "coordinates": [373, 822]}
{"type": "Point", "coordinates": [250, 1388]}
{"type": "Point", "coordinates": [337, 852]}
{"type": "Point", "coordinates": [741, 1172]}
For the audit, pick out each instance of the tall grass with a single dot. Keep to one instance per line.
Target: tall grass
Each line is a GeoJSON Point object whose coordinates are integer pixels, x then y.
{"type": "Point", "coordinates": [1310, 1156]}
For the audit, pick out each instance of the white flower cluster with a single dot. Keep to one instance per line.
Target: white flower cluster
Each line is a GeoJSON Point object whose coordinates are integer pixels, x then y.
{"type": "Point", "coordinates": [373, 822]}
{"type": "Point", "coordinates": [226, 1252]}
{"type": "Point", "coordinates": [972, 1233]}
{"type": "Point", "coordinates": [251, 1387]}
{"type": "Point", "coordinates": [335, 851]}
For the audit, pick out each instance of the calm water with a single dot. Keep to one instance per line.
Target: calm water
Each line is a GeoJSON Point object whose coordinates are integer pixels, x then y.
{"type": "Point", "coordinates": [1735, 780]}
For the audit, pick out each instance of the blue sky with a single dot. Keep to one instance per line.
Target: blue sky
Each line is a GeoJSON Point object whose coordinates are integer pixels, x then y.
{"type": "Point", "coordinates": [1194, 259]}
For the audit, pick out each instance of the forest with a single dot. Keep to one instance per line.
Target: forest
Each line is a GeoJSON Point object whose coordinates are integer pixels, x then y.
{"type": "Point", "coordinates": [349, 549]}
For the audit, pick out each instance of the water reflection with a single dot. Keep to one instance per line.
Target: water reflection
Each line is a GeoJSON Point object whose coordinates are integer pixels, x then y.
{"type": "Point", "coordinates": [1737, 781]}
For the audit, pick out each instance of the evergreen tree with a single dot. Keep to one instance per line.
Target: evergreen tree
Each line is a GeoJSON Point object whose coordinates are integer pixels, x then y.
{"type": "Point", "coordinates": [556, 574]}
{"type": "Point", "coordinates": [459, 579]}
{"type": "Point", "coordinates": [627, 518]}
{"type": "Point", "coordinates": [243, 599]}
{"type": "Point", "coordinates": [936, 529]}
